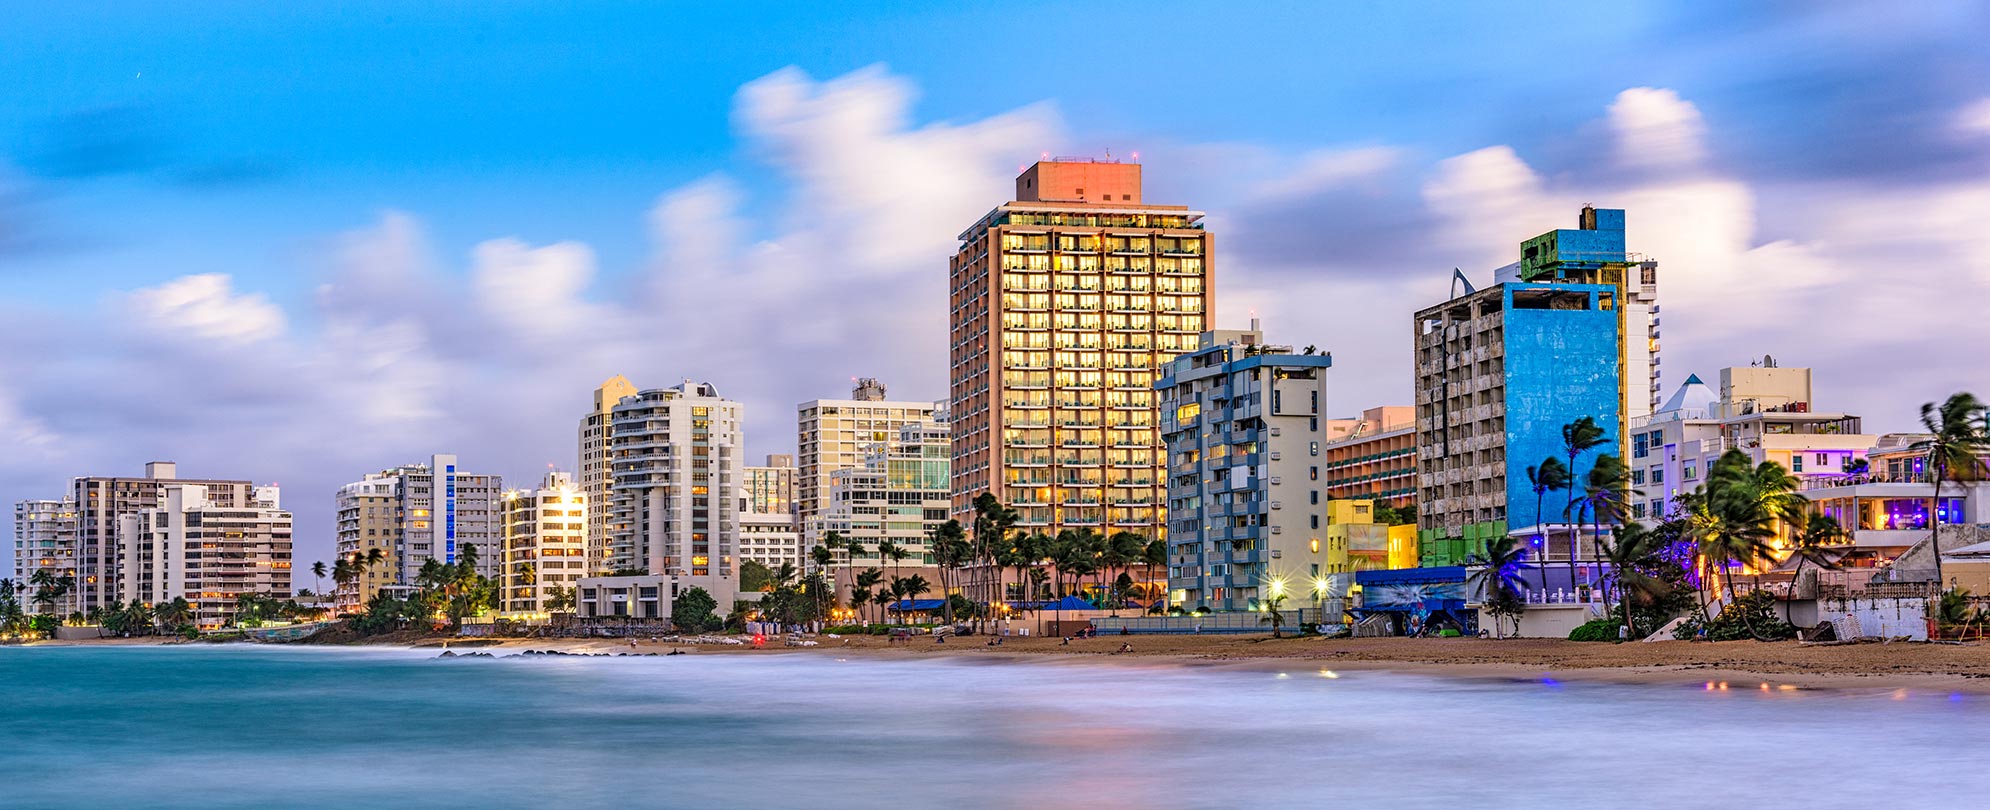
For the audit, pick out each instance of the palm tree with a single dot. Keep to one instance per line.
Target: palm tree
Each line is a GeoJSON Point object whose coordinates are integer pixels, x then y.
{"type": "Point", "coordinates": [1273, 613]}
{"type": "Point", "coordinates": [1578, 437]}
{"type": "Point", "coordinates": [950, 552]}
{"type": "Point", "coordinates": [1732, 517]}
{"type": "Point", "coordinates": [1953, 449]}
{"type": "Point", "coordinates": [1155, 555]}
{"type": "Point", "coordinates": [866, 580]}
{"type": "Point", "coordinates": [1808, 545]}
{"type": "Point", "coordinates": [1607, 493]}
{"type": "Point", "coordinates": [175, 614]}
{"type": "Point", "coordinates": [1633, 551]}
{"type": "Point", "coordinates": [1498, 578]}
{"type": "Point", "coordinates": [318, 576]}
{"type": "Point", "coordinates": [1122, 550]}
{"type": "Point", "coordinates": [1550, 475]}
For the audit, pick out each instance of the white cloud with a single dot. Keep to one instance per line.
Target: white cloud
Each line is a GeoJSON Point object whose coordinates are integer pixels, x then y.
{"type": "Point", "coordinates": [1656, 129]}
{"type": "Point", "coordinates": [205, 307]}
{"type": "Point", "coordinates": [539, 294]}
{"type": "Point", "coordinates": [1973, 120]}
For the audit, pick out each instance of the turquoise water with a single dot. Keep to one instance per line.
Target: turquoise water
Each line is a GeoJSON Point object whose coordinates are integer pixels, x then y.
{"type": "Point", "coordinates": [256, 727]}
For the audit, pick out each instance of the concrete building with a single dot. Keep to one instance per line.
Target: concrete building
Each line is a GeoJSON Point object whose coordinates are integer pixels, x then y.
{"type": "Point", "coordinates": [644, 597]}
{"type": "Point", "coordinates": [1594, 253]}
{"type": "Point", "coordinates": [1373, 457]}
{"type": "Point", "coordinates": [414, 513]}
{"type": "Point", "coordinates": [102, 501]}
{"type": "Point", "coordinates": [1240, 422]}
{"type": "Point", "coordinates": [899, 494]}
{"type": "Point", "coordinates": [837, 434]}
{"type": "Point", "coordinates": [544, 534]}
{"type": "Point", "coordinates": [771, 540]}
{"type": "Point", "coordinates": [1064, 303]}
{"type": "Point", "coordinates": [1766, 412]}
{"type": "Point", "coordinates": [45, 540]}
{"type": "Point", "coordinates": [676, 456]}
{"type": "Point", "coordinates": [1498, 373]}
{"type": "Point", "coordinates": [205, 552]}
{"type": "Point", "coordinates": [770, 488]}
{"type": "Point", "coordinates": [596, 428]}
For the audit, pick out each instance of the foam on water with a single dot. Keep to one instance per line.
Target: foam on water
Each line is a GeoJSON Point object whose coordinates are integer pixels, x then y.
{"type": "Point", "coordinates": [253, 727]}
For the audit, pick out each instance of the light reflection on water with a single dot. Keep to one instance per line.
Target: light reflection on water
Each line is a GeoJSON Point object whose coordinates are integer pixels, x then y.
{"type": "Point", "coordinates": [286, 727]}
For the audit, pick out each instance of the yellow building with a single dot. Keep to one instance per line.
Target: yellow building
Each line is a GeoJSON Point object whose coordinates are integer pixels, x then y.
{"type": "Point", "coordinates": [1402, 546]}
{"type": "Point", "coordinates": [1064, 303]}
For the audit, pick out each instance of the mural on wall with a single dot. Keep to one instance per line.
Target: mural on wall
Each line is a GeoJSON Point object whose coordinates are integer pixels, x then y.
{"type": "Point", "coordinates": [1384, 597]}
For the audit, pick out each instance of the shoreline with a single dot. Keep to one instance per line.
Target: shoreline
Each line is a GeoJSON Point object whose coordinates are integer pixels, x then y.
{"type": "Point", "coordinates": [1784, 666]}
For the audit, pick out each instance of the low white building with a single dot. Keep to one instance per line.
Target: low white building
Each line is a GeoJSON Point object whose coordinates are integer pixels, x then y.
{"type": "Point", "coordinates": [771, 539]}
{"type": "Point", "coordinates": [637, 598]}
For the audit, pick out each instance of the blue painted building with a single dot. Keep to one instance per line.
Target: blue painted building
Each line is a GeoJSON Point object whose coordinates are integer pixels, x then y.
{"type": "Point", "coordinates": [1499, 371]}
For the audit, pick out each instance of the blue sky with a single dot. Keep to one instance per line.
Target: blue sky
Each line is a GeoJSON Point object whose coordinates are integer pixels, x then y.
{"type": "Point", "coordinates": [377, 231]}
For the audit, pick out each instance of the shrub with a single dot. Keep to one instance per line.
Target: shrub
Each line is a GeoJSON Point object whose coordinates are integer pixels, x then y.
{"type": "Point", "coordinates": [1751, 616]}
{"type": "Point", "coordinates": [1596, 630]}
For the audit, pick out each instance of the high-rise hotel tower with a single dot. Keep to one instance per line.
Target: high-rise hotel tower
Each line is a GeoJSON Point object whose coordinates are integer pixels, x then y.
{"type": "Point", "coordinates": [1065, 302]}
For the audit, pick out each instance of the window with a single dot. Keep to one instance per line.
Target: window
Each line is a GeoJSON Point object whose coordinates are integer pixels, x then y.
{"type": "Point", "coordinates": [1824, 460]}
{"type": "Point", "coordinates": [1316, 448]}
{"type": "Point", "coordinates": [1314, 472]}
{"type": "Point", "coordinates": [1316, 496]}
{"type": "Point", "coordinates": [1658, 475]}
{"type": "Point", "coordinates": [1315, 520]}
{"type": "Point", "coordinates": [1796, 463]}
{"type": "Point", "coordinates": [1689, 473]}
{"type": "Point", "coordinates": [1640, 446]}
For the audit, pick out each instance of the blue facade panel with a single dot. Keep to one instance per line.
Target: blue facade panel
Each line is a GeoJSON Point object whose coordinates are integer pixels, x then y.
{"type": "Point", "coordinates": [1561, 365]}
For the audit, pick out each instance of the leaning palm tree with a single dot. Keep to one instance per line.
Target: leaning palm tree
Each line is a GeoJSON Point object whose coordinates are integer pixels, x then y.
{"type": "Point", "coordinates": [318, 576]}
{"type": "Point", "coordinates": [1630, 555]}
{"type": "Point", "coordinates": [1548, 476]}
{"type": "Point", "coordinates": [1578, 437]}
{"type": "Point", "coordinates": [1498, 577]}
{"type": "Point", "coordinates": [1607, 492]}
{"type": "Point", "coordinates": [1732, 517]}
{"type": "Point", "coordinates": [1809, 544]}
{"type": "Point", "coordinates": [1954, 448]}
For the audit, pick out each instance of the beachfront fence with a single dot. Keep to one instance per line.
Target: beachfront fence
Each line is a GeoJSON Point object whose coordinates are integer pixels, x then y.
{"type": "Point", "coordinates": [1214, 623]}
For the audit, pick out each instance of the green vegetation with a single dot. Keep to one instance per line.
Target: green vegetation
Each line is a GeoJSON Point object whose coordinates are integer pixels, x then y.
{"type": "Point", "coordinates": [1752, 615]}
{"type": "Point", "coordinates": [694, 611]}
{"type": "Point", "coordinates": [1959, 434]}
{"type": "Point", "coordinates": [1596, 630]}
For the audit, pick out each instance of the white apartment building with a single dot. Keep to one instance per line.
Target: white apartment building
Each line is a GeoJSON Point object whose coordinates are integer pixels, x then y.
{"type": "Point", "coordinates": [676, 460]}
{"type": "Point", "coordinates": [771, 540]}
{"type": "Point", "coordinates": [544, 541]}
{"type": "Point", "coordinates": [1247, 511]}
{"type": "Point", "coordinates": [207, 553]}
{"type": "Point", "coordinates": [102, 500]}
{"type": "Point", "coordinates": [45, 540]}
{"type": "Point", "coordinates": [1765, 411]}
{"type": "Point", "coordinates": [595, 475]}
{"type": "Point", "coordinates": [414, 513]}
{"type": "Point", "coordinates": [837, 434]}
{"type": "Point", "coordinates": [899, 493]}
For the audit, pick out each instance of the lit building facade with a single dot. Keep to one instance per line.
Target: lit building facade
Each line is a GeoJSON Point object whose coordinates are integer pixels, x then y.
{"type": "Point", "coordinates": [209, 554]}
{"type": "Point", "coordinates": [837, 434]}
{"type": "Point", "coordinates": [544, 543]}
{"type": "Point", "coordinates": [770, 488]}
{"type": "Point", "coordinates": [771, 540]}
{"type": "Point", "coordinates": [1373, 458]}
{"type": "Point", "coordinates": [1246, 504]}
{"type": "Point", "coordinates": [45, 540]}
{"type": "Point", "coordinates": [596, 428]}
{"type": "Point", "coordinates": [676, 458]}
{"type": "Point", "coordinates": [102, 501]}
{"type": "Point", "coordinates": [1064, 304]}
{"type": "Point", "coordinates": [899, 494]}
{"type": "Point", "coordinates": [1499, 371]}
{"type": "Point", "coordinates": [1766, 412]}
{"type": "Point", "coordinates": [414, 513]}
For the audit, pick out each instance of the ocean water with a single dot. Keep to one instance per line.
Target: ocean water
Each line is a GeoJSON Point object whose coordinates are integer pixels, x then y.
{"type": "Point", "coordinates": [261, 727]}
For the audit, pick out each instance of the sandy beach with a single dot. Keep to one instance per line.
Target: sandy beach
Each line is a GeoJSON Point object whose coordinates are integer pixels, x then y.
{"type": "Point", "coordinates": [1737, 664]}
